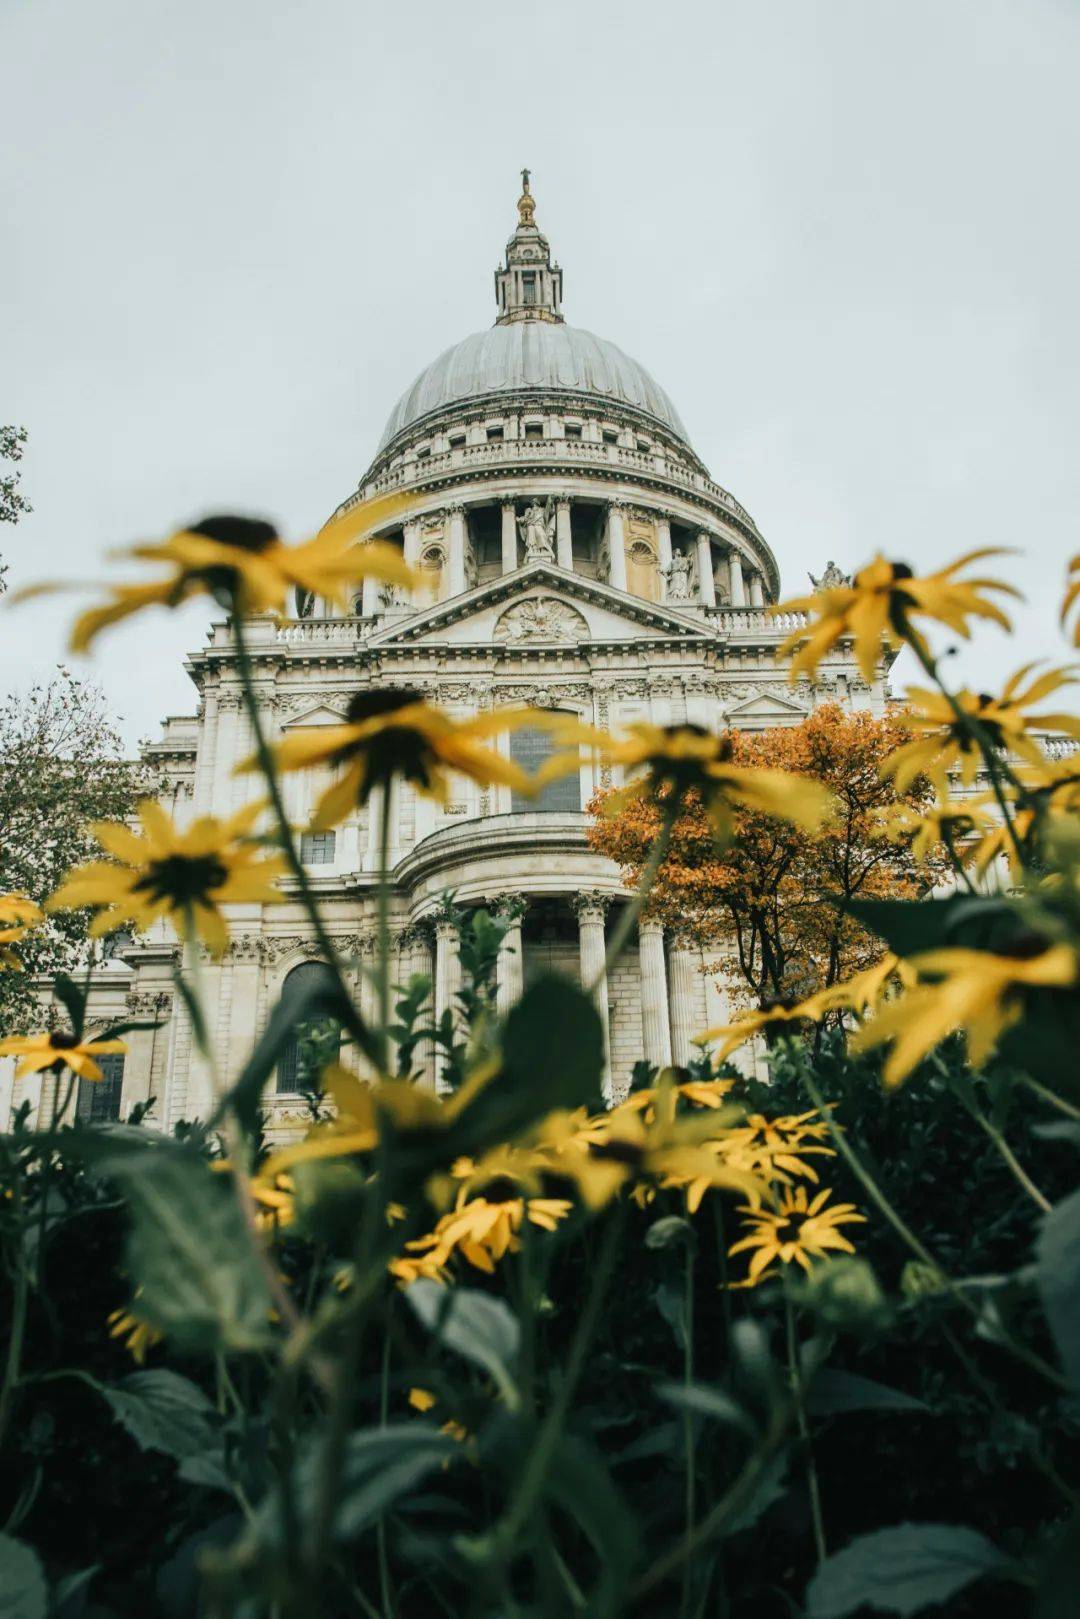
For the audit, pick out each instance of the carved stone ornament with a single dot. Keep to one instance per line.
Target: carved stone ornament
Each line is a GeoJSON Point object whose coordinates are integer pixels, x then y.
{"type": "Point", "coordinates": [831, 579]}
{"type": "Point", "coordinates": [590, 906]}
{"type": "Point", "coordinates": [148, 1003]}
{"type": "Point", "coordinates": [540, 618]}
{"type": "Point", "coordinates": [246, 947]}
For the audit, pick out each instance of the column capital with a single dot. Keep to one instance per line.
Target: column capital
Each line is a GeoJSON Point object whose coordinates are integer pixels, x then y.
{"type": "Point", "coordinates": [590, 906]}
{"type": "Point", "coordinates": [619, 505]}
{"type": "Point", "coordinates": [456, 508]}
{"type": "Point", "coordinates": [561, 501]}
{"type": "Point", "coordinates": [510, 906]}
{"type": "Point", "coordinates": [508, 503]}
{"type": "Point", "coordinates": [650, 926]}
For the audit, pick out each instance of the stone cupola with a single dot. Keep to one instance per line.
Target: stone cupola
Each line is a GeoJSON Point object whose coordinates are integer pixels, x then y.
{"type": "Point", "coordinates": [528, 286]}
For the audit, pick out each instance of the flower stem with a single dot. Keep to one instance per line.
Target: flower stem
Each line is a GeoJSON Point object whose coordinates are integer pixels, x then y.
{"type": "Point", "coordinates": [690, 1479]}
{"type": "Point", "coordinates": [1050, 1096]}
{"type": "Point", "coordinates": [799, 1398]}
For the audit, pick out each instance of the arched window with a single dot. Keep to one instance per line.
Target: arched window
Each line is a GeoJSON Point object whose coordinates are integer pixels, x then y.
{"type": "Point", "coordinates": [529, 748]}
{"type": "Point", "coordinates": [314, 1042]}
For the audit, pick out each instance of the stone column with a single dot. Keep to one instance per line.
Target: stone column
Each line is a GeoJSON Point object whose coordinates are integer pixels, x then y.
{"type": "Point", "coordinates": [738, 589]}
{"type": "Point", "coordinates": [411, 545]}
{"type": "Point", "coordinates": [455, 520]}
{"type": "Point", "coordinates": [370, 604]}
{"type": "Point", "coordinates": [510, 976]}
{"type": "Point", "coordinates": [757, 591]}
{"type": "Point", "coordinates": [616, 534]}
{"type": "Point", "coordinates": [564, 547]}
{"type": "Point", "coordinates": [682, 962]}
{"type": "Point", "coordinates": [590, 910]}
{"type": "Point", "coordinates": [447, 979]}
{"type": "Point", "coordinates": [509, 537]}
{"type": "Point", "coordinates": [655, 1028]}
{"type": "Point", "coordinates": [663, 553]}
{"type": "Point", "coordinates": [706, 582]}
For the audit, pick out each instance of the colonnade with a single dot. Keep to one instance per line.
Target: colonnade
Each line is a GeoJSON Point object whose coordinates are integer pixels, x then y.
{"type": "Point", "coordinates": [668, 969]}
{"type": "Point", "coordinates": [745, 585]}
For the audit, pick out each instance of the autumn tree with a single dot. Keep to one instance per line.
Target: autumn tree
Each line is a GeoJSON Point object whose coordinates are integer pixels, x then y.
{"type": "Point", "coordinates": [62, 766]}
{"type": "Point", "coordinates": [773, 902]}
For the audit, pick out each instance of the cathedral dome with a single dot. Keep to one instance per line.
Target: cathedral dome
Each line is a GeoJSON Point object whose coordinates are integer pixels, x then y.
{"type": "Point", "coordinates": [525, 355]}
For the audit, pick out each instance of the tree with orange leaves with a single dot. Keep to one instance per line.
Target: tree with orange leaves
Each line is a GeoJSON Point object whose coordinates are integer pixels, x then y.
{"type": "Point", "coordinates": [772, 901]}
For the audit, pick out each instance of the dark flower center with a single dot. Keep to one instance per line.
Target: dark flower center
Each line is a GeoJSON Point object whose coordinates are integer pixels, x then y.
{"type": "Point", "coordinates": [616, 1152]}
{"type": "Point", "coordinates": [501, 1190]}
{"type": "Point", "coordinates": [367, 705]}
{"type": "Point", "coordinates": [788, 1230]}
{"type": "Point", "coordinates": [62, 1040]}
{"type": "Point", "coordinates": [245, 533]}
{"type": "Point", "coordinates": [900, 570]}
{"type": "Point", "coordinates": [182, 879]}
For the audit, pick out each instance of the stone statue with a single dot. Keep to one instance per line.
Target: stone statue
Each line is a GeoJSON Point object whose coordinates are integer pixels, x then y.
{"type": "Point", "coordinates": [831, 579]}
{"type": "Point", "coordinates": [305, 602]}
{"type": "Point", "coordinates": [537, 530]}
{"type": "Point", "coordinates": [678, 577]}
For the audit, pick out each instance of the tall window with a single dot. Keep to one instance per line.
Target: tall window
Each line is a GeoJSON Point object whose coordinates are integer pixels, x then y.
{"type": "Point", "coordinates": [528, 287]}
{"type": "Point", "coordinates": [529, 748]}
{"type": "Point", "coordinates": [317, 848]}
{"type": "Point", "coordinates": [99, 1099]}
{"type": "Point", "coordinates": [314, 1041]}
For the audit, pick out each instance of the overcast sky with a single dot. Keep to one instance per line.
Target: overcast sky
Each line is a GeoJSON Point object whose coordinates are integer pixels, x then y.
{"type": "Point", "coordinates": [843, 236]}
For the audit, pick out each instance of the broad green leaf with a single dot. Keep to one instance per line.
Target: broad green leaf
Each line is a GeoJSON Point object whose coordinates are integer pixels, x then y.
{"type": "Point", "coordinates": [163, 1411]}
{"type": "Point", "coordinates": [73, 1001]}
{"type": "Point", "coordinates": [1059, 1577]}
{"type": "Point", "coordinates": [318, 999]}
{"type": "Point", "coordinates": [1058, 1276]}
{"type": "Point", "coordinates": [903, 1570]}
{"type": "Point", "coordinates": [707, 1400]}
{"type": "Point", "coordinates": [927, 924]}
{"type": "Point", "coordinates": [579, 1484]}
{"type": "Point", "coordinates": [190, 1255]}
{"type": "Point", "coordinates": [23, 1593]}
{"type": "Point", "coordinates": [481, 1328]}
{"type": "Point", "coordinates": [671, 1231]}
{"type": "Point", "coordinates": [553, 1057]}
{"type": "Point", "coordinates": [833, 1392]}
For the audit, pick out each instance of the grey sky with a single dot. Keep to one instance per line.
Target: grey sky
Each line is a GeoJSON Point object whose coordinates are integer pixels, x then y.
{"type": "Point", "coordinates": [844, 236]}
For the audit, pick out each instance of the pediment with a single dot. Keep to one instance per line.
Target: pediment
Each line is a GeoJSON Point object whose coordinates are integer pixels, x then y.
{"type": "Point", "coordinates": [765, 708]}
{"type": "Point", "coordinates": [314, 714]}
{"type": "Point", "coordinates": [537, 606]}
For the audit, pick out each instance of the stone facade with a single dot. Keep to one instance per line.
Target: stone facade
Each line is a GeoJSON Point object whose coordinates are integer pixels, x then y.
{"type": "Point", "coordinates": [575, 555]}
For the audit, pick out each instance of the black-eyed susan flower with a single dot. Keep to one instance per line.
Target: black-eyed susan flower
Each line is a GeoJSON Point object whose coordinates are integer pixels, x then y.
{"type": "Point", "coordinates": [397, 733]}
{"type": "Point", "coordinates": [942, 742]}
{"type": "Point", "coordinates": [881, 604]}
{"type": "Point", "coordinates": [138, 1336]}
{"type": "Point", "coordinates": [665, 762]}
{"type": "Point", "coordinates": [58, 1048]}
{"type": "Point", "coordinates": [975, 991]}
{"type": "Point", "coordinates": [18, 914]}
{"type": "Point", "coordinates": [958, 823]}
{"type": "Point", "coordinates": [490, 1208]}
{"type": "Point", "coordinates": [244, 564]}
{"type": "Point", "coordinates": [776, 1148]}
{"type": "Point", "coordinates": [799, 1230]}
{"type": "Point", "coordinates": [185, 875]}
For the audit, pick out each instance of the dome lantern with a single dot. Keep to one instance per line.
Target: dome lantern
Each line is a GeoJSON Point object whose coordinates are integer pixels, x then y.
{"type": "Point", "coordinates": [528, 286]}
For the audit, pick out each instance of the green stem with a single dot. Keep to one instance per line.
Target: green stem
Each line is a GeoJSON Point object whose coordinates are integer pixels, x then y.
{"type": "Point", "coordinates": [361, 1034]}
{"type": "Point", "coordinates": [386, 1592]}
{"type": "Point", "coordinates": [690, 1477]}
{"type": "Point", "coordinates": [799, 1398]}
{"type": "Point", "coordinates": [1012, 1163]}
{"type": "Point", "coordinates": [383, 925]}
{"type": "Point", "coordinates": [1051, 1097]}
{"type": "Point", "coordinates": [19, 1306]}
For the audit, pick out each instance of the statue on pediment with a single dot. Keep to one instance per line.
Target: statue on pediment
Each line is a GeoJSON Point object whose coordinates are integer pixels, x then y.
{"type": "Point", "coordinates": [832, 579]}
{"type": "Point", "coordinates": [537, 530]}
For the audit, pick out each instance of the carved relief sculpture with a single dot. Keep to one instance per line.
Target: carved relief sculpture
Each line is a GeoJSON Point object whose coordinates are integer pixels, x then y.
{"type": "Point", "coordinates": [540, 618]}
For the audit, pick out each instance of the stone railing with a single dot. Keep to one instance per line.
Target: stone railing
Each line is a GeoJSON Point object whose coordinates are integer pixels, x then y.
{"type": "Point", "coordinates": [753, 621]}
{"type": "Point", "coordinates": [522, 452]}
{"type": "Point", "coordinates": [310, 631]}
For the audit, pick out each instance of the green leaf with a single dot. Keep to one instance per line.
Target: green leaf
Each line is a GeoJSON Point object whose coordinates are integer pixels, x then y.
{"type": "Point", "coordinates": [73, 1001]}
{"type": "Point", "coordinates": [580, 1485]}
{"type": "Point", "coordinates": [1057, 1275]}
{"type": "Point", "coordinates": [707, 1400]}
{"type": "Point", "coordinates": [903, 1570]}
{"type": "Point", "coordinates": [318, 999]}
{"type": "Point", "coordinates": [1059, 1577]}
{"type": "Point", "coordinates": [190, 1255]}
{"type": "Point", "coordinates": [553, 1057]}
{"type": "Point", "coordinates": [833, 1392]}
{"type": "Point", "coordinates": [163, 1411]}
{"type": "Point", "coordinates": [926, 924]}
{"type": "Point", "coordinates": [671, 1231]}
{"type": "Point", "coordinates": [23, 1593]}
{"type": "Point", "coordinates": [379, 1467]}
{"type": "Point", "coordinates": [481, 1328]}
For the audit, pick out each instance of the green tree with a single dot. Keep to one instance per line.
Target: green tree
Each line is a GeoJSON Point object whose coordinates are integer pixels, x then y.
{"type": "Point", "coordinates": [62, 766]}
{"type": "Point", "coordinates": [13, 503]}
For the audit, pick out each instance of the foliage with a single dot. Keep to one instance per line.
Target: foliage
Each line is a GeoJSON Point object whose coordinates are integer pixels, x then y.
{"type": "Point", "coordinates": [778, 895]}
{"type": "Point", "coordinates": [62, 766]}
{"type": "Point", "coordinates": [13, 503]}
{"type": "Point", "coordinates": [499, 1349]}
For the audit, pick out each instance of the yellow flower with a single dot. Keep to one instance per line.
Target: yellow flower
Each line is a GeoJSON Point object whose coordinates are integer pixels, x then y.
{"type": "Point", "coordinates": [666, 762]}
{"type": "Point", "coordinates": [863, 990]}
{"type": "Point", "coordinates": [732, 1035]}
{"type": "Point", "coordinates": [881, 603]}
{"type": "Point", "coordinates": [1072, 595]}
{"type": "Point", "coordinates": [18, 914]}
{"type": "Point", "coordinates": [950, 821]}
{"type": "Point", "coordinates": [245, 565]}
{"type": "Point", "coordinates": [138, 1334]}
{"type": "Point", "coordinates": [163, 871]}
{"type": "Point", "coordinates": [774, 1147]}
{"type": "Point", "coordinates": [397, 733]}
{"type": "Point", "coordinates": [58, 1049]}
{"type": "Point", "coordinates": [973, 990]}
{"type": "Point", "coordinates": [483, 1229]}
{"type": "Point", "coordinates": [942, 743]}
{"type": "Point", "coordinates": [799, 1230]}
